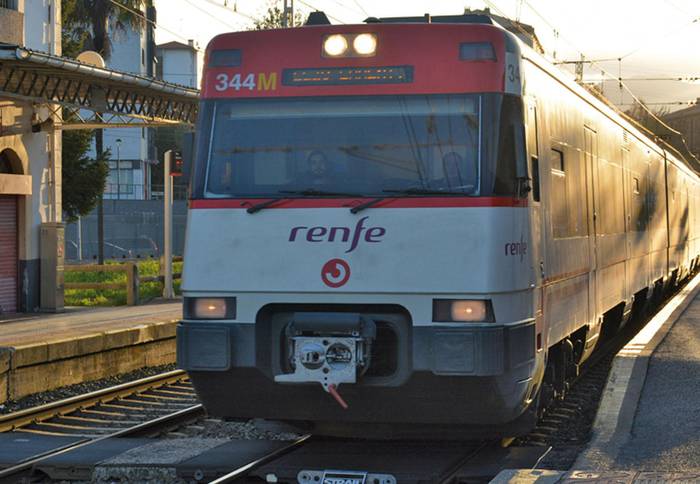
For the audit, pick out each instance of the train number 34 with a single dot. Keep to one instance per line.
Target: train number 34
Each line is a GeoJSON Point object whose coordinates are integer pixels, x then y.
{"type": "Point", "coordinates": [262, 82]}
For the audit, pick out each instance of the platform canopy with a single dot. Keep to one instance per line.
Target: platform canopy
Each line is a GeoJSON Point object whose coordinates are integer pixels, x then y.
{"type": "Point", "coordinates": [92, 97]}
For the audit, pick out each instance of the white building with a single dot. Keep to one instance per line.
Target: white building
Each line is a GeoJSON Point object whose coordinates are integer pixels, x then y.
{"type": "Point", "coordinates": [130, 148]}
{"type": "Point", "coordinates": [30, 163]}
{"type": "Point", "coordinates": [179, 63]}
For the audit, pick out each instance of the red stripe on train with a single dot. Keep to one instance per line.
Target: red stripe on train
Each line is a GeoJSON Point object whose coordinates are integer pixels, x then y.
{"type": "Point", "coordinates": [418, 202]}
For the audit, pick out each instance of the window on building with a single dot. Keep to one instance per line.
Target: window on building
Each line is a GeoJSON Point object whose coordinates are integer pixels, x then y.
{"type": "Point", "coordinates": [8, 4]}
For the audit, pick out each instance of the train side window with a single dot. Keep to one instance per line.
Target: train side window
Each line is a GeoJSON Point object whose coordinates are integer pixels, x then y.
{"type": "Point", "coordinates": [535, 173]}
{"type": "Point", "coordinates": [558, 160]}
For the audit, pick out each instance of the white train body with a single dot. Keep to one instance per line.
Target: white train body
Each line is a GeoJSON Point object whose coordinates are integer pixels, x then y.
{"type": "Point", "coordinates": [423, 311]}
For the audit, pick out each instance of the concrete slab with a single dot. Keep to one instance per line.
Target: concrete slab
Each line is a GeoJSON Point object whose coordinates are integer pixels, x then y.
{"type": "Point", "coordinates": [16, 447]}
{"type": "Point", "coordinates": [225, 458]}
{"type": "Point", "coordinates": [156, 461]}
{"type": "Point", "coordinates": [528, 476]}
{"type": "Point", "coordinates": [79, 465]}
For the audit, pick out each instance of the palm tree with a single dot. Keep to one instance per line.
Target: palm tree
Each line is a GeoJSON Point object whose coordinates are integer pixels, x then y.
{"type": "Point", "coordinates": [88, 21]}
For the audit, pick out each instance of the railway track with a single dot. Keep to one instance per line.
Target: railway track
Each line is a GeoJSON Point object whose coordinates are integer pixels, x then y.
{"type": "Point", "coordinates": [140, 408]}
{"type": "Point", "coordinates": [153, 405]}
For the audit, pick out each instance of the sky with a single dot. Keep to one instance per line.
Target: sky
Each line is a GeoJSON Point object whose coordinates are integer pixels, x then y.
{"type": "Point", "coordinates": [654, 38]}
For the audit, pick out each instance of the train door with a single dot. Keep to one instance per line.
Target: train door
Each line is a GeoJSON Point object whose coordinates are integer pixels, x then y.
{"type": "Point", "coordinates": [590, 158]}
{"type": "Point", "coordinates": [536, 219]}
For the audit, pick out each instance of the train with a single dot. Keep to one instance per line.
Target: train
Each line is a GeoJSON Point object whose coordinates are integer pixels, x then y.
{"type": "Point", "coordinates": [414, 227]}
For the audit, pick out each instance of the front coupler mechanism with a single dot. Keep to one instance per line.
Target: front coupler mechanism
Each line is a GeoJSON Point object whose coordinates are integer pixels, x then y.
{"type": "Point", "coordinates": [328, 348]}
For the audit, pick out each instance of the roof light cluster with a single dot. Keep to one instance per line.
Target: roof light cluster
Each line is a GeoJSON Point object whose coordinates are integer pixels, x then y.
{"type": "Point", "coordinates": [350, 45]}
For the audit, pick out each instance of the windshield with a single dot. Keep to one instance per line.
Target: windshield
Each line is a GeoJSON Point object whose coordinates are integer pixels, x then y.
{"type": "Point", "coordinates": [366, 146]}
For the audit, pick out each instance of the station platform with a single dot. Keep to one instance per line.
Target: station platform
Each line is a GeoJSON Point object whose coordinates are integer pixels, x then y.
{"type": "Point", "coordinates": [47, 351]}
{"type": "Point", "coordinates": [647, 428]}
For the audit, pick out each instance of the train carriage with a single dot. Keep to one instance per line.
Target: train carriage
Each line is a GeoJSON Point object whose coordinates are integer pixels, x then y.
{"type": "Point", "coordinates": [413, 227]}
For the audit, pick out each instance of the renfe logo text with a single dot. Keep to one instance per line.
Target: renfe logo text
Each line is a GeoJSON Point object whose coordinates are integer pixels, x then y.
{"type": "Point", "coordinates": [351, 236]}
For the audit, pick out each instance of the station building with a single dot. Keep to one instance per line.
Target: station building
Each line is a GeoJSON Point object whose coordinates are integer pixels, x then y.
{"type": "Point", "coordinates": [30, 161]}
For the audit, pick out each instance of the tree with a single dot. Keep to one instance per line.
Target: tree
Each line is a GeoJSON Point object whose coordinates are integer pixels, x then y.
{"type": "Point", "coordinates": [87, 22]}
{"type": "Point", "coordinates": [86, 26]}
{"type": "Point", "coordinates": [83, 178]}
{"type": "Point", "coordinates": [274, 18]}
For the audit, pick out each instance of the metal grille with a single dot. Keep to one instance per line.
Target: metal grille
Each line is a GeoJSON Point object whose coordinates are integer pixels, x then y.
{"type": "Point", "coordinates": [8, 254]}
{"type": "Point", "coordinates": [11, 4]}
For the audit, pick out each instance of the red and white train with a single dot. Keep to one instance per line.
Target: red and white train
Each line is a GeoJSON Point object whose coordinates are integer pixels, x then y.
{"type": "Point", "coordinates": [427, 220]}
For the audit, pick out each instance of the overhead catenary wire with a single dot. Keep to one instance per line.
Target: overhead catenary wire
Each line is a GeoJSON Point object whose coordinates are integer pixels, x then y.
{"type": "Point", "coordinates": [603, 71]}
{"type": "Point", "coordinates": [655, 39]}
{"type": "Point", "coordinates": [222, 22]}
{"type": "Point", "coordinates": [225, 7]}
{"type": "Point", "coordinates": [318, 9]}
{"type": "Point", "coordinates": [148, 20]}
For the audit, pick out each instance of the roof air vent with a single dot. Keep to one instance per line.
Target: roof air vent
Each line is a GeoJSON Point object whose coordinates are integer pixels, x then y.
{"type": "Point", "coordinates": [317, 18]}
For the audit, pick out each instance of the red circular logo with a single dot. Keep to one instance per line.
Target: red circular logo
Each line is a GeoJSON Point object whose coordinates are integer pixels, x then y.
{"type": "Point", "coordinates": [335, 273]}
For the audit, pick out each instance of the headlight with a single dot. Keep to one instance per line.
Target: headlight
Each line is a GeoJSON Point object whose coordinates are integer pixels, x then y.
{"type": "Point", "coordinates": [365, 44]}
{"type": "Point", "coordinates": [462, 310]}
{"type": "Point", "coordinates": [209, 308]}
{"type": "Point", "coordinates": [335, 45]}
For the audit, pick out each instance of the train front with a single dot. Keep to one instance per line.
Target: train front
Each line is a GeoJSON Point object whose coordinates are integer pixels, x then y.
{"type": "Point", "coordinates": [358, 255]}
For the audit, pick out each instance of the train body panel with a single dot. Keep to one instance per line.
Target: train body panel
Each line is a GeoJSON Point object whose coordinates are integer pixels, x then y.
{"type": "Point", "coordinates": [447, 299]}
{"type": "Point", "coordinates": [464, 250]}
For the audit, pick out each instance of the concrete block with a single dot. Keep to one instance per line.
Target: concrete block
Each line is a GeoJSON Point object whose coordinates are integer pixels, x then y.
{"type": "Point", "coordinates": [162, 352]}
{"type": "Point", "coordinates": [5, 359]}
{"type": "Point", "coordinates": [120, 338]}
{"type": "Point", "coordinates": [165, 330]}
{"type": "Point", "coordinates": [4, 387]}
{"type": "Point", "coordinates": [37, 378]}
{"type": "Point", "coordinates": [31, 354]}
{"type": "Point", "coordinates": [516, 476]}
{"type": "Point", "coordinates": [93, 343]}
{"type": "Point", "coordinates": [62, 349]}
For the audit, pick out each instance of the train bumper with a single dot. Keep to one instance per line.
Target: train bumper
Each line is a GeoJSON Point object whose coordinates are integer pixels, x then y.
{"type": "Point", "coordinates": [482, 376]}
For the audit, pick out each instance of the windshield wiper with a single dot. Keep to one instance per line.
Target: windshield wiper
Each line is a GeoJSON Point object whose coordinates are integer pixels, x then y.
{"type": "Point", "coordinates": [367, 204]}
{"type": "Point", "coordinates": [308, 192]}
{"type": "Point", "coordinates": [423, 191]}
{"type": "Point", "coordinates": [314, 192]}
{"type": "Point", "coordinates": [259, 206]}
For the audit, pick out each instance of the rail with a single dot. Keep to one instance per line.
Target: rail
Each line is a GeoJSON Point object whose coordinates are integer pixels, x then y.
{"type": "Point", "coordinates": [177, 407]}
{"type": "Point", "coordinates": [131, 284]}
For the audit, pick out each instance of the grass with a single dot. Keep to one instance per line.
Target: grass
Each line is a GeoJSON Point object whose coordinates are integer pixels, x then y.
{"type": "Point", "coordinates": [116, 297]}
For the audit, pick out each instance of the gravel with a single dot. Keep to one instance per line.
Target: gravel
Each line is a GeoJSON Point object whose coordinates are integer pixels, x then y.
{"type": "Point", "coordinates": [212, 428]}
{"type": "Point", "coordinates": [80, 389]}
{"type": "Point", "coordinates": [566, 427]}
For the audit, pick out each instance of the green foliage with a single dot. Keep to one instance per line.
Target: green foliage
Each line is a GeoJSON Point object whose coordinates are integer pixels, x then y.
{"type": "Point", "coordinates": [116, 297]}
{"type": "Point", "coordinates": [274, 18]}
{"type": "Point", "coordinates": [87, 23]}
{"type": "Point", "coordinates": [83, 178]}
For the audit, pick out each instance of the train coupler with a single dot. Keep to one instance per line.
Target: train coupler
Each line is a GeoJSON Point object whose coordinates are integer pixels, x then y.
{"type": "Point", "coordinates": [328, 348]}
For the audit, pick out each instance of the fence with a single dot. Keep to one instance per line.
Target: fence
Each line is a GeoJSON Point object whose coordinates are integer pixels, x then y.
{"type": "Point", "coordinates": [138, 191]}
{"type": "Point", "coordinates": [131, 285]}
{"type": "Point", "coordinates": [133, 230]}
